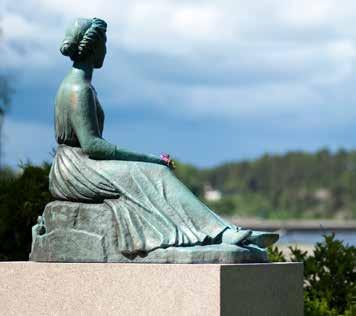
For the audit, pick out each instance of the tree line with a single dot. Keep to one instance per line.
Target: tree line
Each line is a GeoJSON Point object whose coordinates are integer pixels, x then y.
{"type": "Point", "coordinates": [292, 185]}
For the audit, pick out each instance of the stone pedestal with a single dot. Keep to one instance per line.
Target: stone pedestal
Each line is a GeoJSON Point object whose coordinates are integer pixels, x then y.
{"type": "Point", "coordinates": [30, 288]}
{"type": "Point", "coordinates": [83, 232]}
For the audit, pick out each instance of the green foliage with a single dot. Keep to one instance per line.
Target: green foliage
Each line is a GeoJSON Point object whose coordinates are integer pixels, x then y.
{"type": "Point", "coordinates": [276, 255]}
{"type": "Point", "coordinates": [329, 276]}
{"type": "Point", "coordinates": [22, 198]}
{"type": "Point", "coordinates": [226, 206]}
{"type": "Point", "coordinates": [191, 176]}
{"type": "Point", "coordinates": [294, 185]}
{"type": "Point", "coordinates": [247, 204]}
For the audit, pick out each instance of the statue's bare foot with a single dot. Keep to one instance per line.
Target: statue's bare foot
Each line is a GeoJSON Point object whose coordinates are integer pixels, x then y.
{"type": "Point", "coordinates": [235, 237]}
{"type": "Point", "coordinates": [246, 237]}
{"type": "Point", "coordinates": [261, 239]}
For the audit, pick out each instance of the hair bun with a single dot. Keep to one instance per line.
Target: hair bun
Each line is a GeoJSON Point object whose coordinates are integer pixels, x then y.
{"type": "Point", "coordinates": [82, 37]}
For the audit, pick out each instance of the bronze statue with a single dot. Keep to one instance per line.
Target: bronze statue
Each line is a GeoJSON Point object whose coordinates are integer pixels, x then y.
{"type": "Point", "coordinates": [117, 205]}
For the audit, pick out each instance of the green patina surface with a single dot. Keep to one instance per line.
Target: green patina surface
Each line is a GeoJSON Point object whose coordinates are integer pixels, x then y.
{"type": "Point", "coordinates": [117, 205]}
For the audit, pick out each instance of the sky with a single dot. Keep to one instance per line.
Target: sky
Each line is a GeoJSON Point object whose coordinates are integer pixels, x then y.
{"type": "Point", "coordinates": [206, 81]}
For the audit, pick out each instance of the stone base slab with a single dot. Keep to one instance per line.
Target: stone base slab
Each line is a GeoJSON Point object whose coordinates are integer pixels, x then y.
{"type": "Point", "coordinates": [31, 288]}
{"type": "Point", "coordinates": [83, 232]}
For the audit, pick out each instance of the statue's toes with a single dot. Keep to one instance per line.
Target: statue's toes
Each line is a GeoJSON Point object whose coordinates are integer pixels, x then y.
{"type": "Point", "coordinates": [262, 239]}
{"type": "Point", "coordinates": [234, 237]}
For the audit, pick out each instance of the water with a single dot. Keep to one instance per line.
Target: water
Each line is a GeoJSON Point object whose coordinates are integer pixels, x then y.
{"type": "Point", "coordinates": [312, 237]}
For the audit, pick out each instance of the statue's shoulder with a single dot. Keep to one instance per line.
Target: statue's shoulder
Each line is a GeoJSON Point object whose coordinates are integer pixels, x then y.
{"type": "Point", "coordinates": [72, 88]}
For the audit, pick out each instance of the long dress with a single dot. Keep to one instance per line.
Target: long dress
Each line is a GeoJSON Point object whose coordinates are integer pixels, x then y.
{"type": "Point", "coordinates": [153, 209]}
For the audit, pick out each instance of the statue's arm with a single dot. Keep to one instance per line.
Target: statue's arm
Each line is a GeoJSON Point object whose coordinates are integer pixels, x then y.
{"type": "Point", "coordinates": [86, 126]}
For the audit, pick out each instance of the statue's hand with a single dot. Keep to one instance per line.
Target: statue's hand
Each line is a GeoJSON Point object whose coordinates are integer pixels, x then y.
{"type": "Point", "coordinates": [168, 161]}
{"type": "Point", "coordinates": [172, 164]}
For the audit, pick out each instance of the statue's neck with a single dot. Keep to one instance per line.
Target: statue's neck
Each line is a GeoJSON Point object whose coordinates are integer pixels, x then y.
{"type": "Point", "coordinates": [84, 70]}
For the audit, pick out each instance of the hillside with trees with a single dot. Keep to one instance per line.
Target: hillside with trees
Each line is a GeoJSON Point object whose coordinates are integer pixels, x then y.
{"type": "Point", "coordinates": [293, 185]}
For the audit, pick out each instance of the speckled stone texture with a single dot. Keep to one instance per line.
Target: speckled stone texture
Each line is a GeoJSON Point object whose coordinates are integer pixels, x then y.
{"type": "Point", "coordinates": [29, 288]}
{"type": "Point", "coordinates": [83, 232]}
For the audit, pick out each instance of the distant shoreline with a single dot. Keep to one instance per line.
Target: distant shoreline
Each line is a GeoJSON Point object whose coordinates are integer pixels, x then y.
{"type": "Point", "coordinates": [294, 225]}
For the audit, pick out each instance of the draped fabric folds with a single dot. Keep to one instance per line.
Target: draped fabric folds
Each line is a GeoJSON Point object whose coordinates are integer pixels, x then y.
{"type": "Point", "coordinates": [151, 207]}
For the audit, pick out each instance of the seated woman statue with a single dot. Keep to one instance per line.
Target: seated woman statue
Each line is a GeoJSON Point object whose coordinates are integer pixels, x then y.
{"type": "Point", "coordinates": [153, 209]}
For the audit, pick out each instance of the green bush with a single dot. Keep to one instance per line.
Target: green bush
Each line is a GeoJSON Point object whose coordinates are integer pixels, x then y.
{"type": "Point", "coordinates": [22, 199]}
{"type": "Point", "coordinates": [329, 276]}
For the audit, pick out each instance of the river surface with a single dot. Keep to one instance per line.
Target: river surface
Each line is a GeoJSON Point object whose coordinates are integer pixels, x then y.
{"type": "Point", "coordinates": [311, 237]}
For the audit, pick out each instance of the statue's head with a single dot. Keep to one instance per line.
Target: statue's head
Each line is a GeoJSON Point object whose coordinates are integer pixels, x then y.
{"type": "Point", "coordinates": [85, 40]}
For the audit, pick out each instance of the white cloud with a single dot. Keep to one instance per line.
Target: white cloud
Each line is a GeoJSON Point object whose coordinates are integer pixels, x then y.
{"type": "Point", "coordinates": [230, 57]}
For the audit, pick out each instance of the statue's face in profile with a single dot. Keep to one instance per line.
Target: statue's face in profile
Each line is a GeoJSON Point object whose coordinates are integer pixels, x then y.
{"type": "Point", "coordinates": [100, 55]}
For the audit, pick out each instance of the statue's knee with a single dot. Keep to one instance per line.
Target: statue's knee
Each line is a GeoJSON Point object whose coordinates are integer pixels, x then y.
{"type": "Point", "coordinates": [162, 170]}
